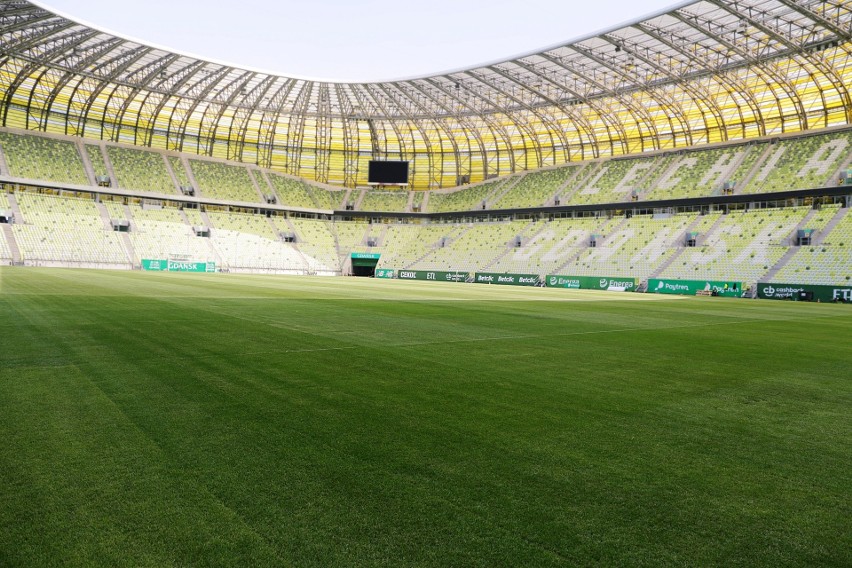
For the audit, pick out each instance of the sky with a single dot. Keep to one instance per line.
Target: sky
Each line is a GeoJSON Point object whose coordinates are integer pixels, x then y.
{"type": "Point", "coordinates": [356, 40]}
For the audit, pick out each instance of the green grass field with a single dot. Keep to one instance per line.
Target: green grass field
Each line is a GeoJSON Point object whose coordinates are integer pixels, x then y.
{"type": "Point", "coordinates": [222, 420]}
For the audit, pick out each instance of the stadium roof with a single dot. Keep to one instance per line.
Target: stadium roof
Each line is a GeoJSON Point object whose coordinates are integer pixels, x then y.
{"type": "Point", "coordinates": [701, 72]}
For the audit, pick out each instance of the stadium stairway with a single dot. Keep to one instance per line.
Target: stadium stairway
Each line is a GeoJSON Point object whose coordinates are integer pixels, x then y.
{"type": "Point", "coordinates": [184, 161]}
{"type": "Point", "coordinates": [275, 228]}
{"type": "Point", "coordinates": [844, 167]}
{"type": "Point", "coordinates": [564, 191]}
{"type": "Point", "coordinates": [104, 215]}
{"type": "Point", "coordinates": [498, 193]}
{"type": "Point", "coordinates": [681, 248]}
{"type": "Point", "coordinates": [128, 214]}
{"type": "Point", "coordinates": [87, 163]}
{"type": "Point", "coordinates": [646, 183]}
{"type": "Point", "coordinates": [735, 164]}
{"type": "Point", "coordinates": [570, 260]}
{"type": "Point", "coordinates": [509, 247]}
{"type": "Point", "coordinates": [266, 184]}
{"type": "Point", "coordinates": [380, 239]}
{"type": "Point", "coordinates": [13, 205]}
{"type": "Point", "coordinates": [792, 250]}
{"type": "Point", "coordinates": [4, 167]}
{"type": "Point", "coordinates": [107, 163]}
{"type": "Point", "coordinates": [347, 195]}
{"type": "Point", "coordinates": [424, 205]}
{"type": "Point", "coordinates": [782, 262]}
{"type": "Point", "coordinates": [172, 174]}
{"type": "Point", "coordinates": [295, 245]}
{"type": "Point", "coordinates": [304, 259]}
{"type": "Point", "coordinates": [500, 190]}
{"type": "Point", "coordinates": [841, 213]}
{"type": "Point", "coordinates": [206, 220]}
{"type": "Point", "coordinates": [290, 225]}
{"type": "Point", "coordinates": [362, 193]}
{"type": "Point", "coordinates": [577, 182]}
{"type": "Point", "coordinates": [129, 250]}
{"type": "Point", "coordinates": [260, 194]}
{"type": "Point", "coordinates": [650, 181]}
{"type": "Point", "coordinates": [12, 243]}
{"type": "Point", "coordinates": [758, 164]}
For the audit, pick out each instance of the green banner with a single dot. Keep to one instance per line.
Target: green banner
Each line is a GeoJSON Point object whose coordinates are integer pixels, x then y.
{"type": "Point", "coordinates": [177, 266]}
{"type": "Point", "coordinates": [434, 275]}
{"type": "Point", "coordinates": [591, 282]}
{"type": "Point", "coordinates": [691, 287]}
{"type": "Point", "coordinates": [506, 279]}
{"type": "Point", "coordinates": [149, 264]}
{"type": "Point", "coordinates": [385, 273]}
{"type": "Point", "coordinates": [366, 255]}
{"type": "Point", "coordinates": [776, 291]}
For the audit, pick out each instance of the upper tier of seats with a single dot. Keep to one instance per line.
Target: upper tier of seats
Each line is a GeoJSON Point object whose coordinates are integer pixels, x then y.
{"type": "Point", "coordinates": [754, 167]}
{"type": "Point", "coordinates": [42, 158]}
{"type": "Point", "coordinates": [140, 170]}
{"type": "Point", "coordinates": [224, 181]}
{"type": "Point", "coordinates": [375, 200]}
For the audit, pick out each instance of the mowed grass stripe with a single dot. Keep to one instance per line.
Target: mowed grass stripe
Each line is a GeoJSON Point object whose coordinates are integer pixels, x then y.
{"type": "Point", "coordinates": [265, 421]}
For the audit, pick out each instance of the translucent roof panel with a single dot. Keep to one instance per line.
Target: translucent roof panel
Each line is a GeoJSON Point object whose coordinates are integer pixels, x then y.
{"type": "Point", "coordinates": [705, 71]}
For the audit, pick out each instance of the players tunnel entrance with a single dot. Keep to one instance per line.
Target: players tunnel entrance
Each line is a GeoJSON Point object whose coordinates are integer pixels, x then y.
{"type": "Point", "coordinates": [364, 263]}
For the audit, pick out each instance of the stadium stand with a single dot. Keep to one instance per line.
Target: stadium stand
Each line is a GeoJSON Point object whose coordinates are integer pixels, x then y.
{"type": "Point", "coordinates": [292, 192]}
{"type": "Point", "coordinates": [616, 180]}
{"type": "Point", "coordinates": [802, 163]}
{"type": "Point", "coordinates": [224, 181]}
{"type": "Point", "coordinates": [180, 171]}
{"type": "Point", "coordinates": [350, 235]}
{"type": "Point", "coordinates": [743, 246]}
{"type": "Point", "coordinates": [242, 223]}
{"type": "Point", "coordinates": [535, 188]}
{"type": "Point", "coordinates": [315, 238]}
{"type": "Point", "coordinates": [407, 244]}
{"type": "Point", "coordinates": [464, 199]}
{"type": "Point", "coordinates": [140, 170]}
{"type": "Point", "coordinates": [194, 218]}
{"type": "Point", "coordinates": [249, 251]}
{"type": "Point", "coordinates": [735, 246]}
{"type": "Point", "coordinates": [474, 248]}
{"type": "Point", "coordinates": [375, 200]}
{"type": "Point", "coordinates": [5, 249]}
{"type": "Point", "coordinates": [114, 209]}
{"type": "Point", "coordinates": [548, 245]}
{"type": "Point", "coordinates": [162, 233]}
{"type": "Point", "coordinates": [826, 262]}
{"type": "Point", "coordinates": [635, 247]}
{"type": "Point", "coordinates": [96, 158]}
{"type": "Point", "coordinates": [697, 173]}
{"type": "Point", "coordinates": [417, 200]}
{"type": "Point", "coordinates": [67, 231]}
{"type": "Point", "coordinates": [326, 198]}
{"type": "Point", "coordinates": [43, 158]}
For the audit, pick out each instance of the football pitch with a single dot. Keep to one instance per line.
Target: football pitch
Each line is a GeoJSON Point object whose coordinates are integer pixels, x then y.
{"type": "Point", "coordinates": [156, 419]}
